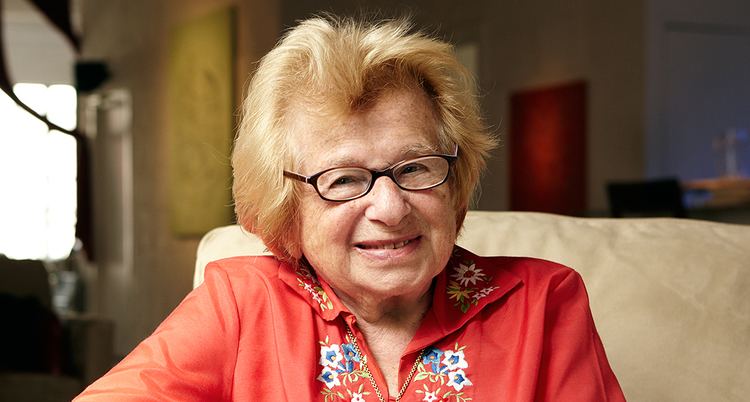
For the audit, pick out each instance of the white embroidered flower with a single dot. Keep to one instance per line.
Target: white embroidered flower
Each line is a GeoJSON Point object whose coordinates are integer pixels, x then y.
{"type": "Point", "coordinates": [458, 380]}
{"type": "Point", "coordinates": [330, 356]}
{"type": "Point", "coordinates": [357, 397]}
{"type": "Point", "coordinates": [455, 360]}
{"type": "Point", "coordinates": [430, 397]}
{"type": "Point", "coordinates": [484, 293]}
{"type": "Point", "coordinates": [329, 377]}
{"type": "Point", "coordinates": [314, 293]}
{"type": "Point", "coordinates": [468, 274]}
{"type": "Point", "coordinates": [317, 298]}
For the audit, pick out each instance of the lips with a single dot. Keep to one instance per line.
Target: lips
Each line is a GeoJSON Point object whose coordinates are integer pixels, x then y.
{"type": "Point", "coordinates": [385, 244]}
{"type": "Point", "coordinates": [389, 246]}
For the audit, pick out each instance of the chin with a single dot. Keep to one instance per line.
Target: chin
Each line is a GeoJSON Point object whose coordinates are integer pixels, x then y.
{"type": "Point", "coordinates": [397, 284]}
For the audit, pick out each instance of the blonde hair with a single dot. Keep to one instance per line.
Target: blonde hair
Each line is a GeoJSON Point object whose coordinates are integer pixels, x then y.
{"type": "Point", "coordinates": [343, 64]}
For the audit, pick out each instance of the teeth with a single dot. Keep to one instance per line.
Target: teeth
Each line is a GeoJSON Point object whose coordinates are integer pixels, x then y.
{"type": "Point", "coordinates": [390, 246]}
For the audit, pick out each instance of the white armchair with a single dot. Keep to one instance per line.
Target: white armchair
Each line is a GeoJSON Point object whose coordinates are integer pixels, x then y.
{"type": "Point", "coordinates": [669, 296]}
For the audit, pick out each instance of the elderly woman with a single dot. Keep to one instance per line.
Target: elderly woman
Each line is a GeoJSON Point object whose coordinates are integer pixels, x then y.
{"type": "Point", "coordinates": [359, 150]}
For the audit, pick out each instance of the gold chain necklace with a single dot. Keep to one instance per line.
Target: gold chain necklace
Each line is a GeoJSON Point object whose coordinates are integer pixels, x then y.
{"type": "Point", "coordinates": [369, 374]}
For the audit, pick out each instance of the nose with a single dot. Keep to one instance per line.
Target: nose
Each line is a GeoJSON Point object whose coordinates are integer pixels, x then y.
{"type": "Point", "coordinates": [387, 203]}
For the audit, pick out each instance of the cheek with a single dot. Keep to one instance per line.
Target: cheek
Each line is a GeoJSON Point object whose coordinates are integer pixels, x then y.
{"type": "Point", "coordinates": [324, 226]}
{"type": "Point", "coordinates": [438, 212]}
{"type": "Point", "coordinates": [309, 228]}
{"type": "Point", "coordinates": [441, 206]}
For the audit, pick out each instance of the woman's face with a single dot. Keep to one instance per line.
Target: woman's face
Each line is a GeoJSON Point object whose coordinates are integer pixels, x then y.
{"type": "Point", "coordinates": [390, 242]}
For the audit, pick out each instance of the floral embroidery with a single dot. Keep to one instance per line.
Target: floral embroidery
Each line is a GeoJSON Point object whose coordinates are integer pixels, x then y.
{"type": "Point", "coordinates": [466, 287]}
{"type": "Point", "coordinates": [443, 369]}
{"type": "Point", "coordinates": [330, 356]}
{"type": "Point", "coordinates": [468, 274]}
{"type": "Point", "coordinates": [329, 377]}
{"type": "Point", "coordinates": [442, 374]}
{"type": "Point", "coordinates": [458, 379]}
{"type": "Point", "coordinates": [308, 282]}
{"type": "Point", "coordinates": [432, 357]}
{"type": "Point", "coordinates": [357, 396]}
{"type": "Point", "coordinates": [455, 360]}
{"type": "Point", "coordinates": [351, 356]}
{"type": "Point", "coordinates": [482, 293]}
{"type": "Point", "coordinates": [341, 367]}
{"type": "Point", "coordinates": [429, 396]}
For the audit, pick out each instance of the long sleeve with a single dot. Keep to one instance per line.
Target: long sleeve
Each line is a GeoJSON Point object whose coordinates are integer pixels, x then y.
{"type": "Point", "coordinates": [574, 366]}
{"type": "Point", "coordinates": [257, 330]}
{"type": "Point", "coordinates": [190, 357]}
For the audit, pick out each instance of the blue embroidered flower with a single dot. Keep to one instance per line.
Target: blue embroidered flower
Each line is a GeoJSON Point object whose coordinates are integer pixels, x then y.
{"type": "Point", "coordinates": [447, 367]}
{"type": "Point", "coordinates": [350, 355]}
{"type": "Point", "coordinates": [329, 377]}
{"type": "Point", "coordinates": [432, 357]}
{"type": "Point", "coordinates": [330, 356]}
{"type": "Point", "coordinates": [455, 360]}
{"type": "Point", "coordinates": [457, 379]}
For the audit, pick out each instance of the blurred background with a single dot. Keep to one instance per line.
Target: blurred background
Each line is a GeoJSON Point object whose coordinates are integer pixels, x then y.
{"type": "Point", "coordinates": [622, 108]}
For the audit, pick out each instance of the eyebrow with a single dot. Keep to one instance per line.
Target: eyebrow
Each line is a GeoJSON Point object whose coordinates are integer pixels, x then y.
{"type": "Point", "coordinates": [419, 149]}
{"type": "Point", "coordinates": [406, 152]}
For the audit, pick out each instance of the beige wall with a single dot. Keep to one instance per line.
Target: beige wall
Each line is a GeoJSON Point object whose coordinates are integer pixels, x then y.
{"type": "Point", "coordinates": [533, 43]}
{"type": "Point", "coordinates": [131, 36]}
{"type": "Point", "coordinates": [698, 53]}
{"type": "Point", "coordinates": [522, 44]}
{"type": "Point", "coordinates": [537, 43]}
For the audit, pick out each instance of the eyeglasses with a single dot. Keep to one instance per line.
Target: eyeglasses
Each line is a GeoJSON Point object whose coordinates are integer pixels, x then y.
{"type": "Point", "coordinates": [349, 183]}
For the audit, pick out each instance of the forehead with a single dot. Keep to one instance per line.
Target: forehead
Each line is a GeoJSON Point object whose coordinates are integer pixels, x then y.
{"type": "Point", "coordinates": [397, 124]}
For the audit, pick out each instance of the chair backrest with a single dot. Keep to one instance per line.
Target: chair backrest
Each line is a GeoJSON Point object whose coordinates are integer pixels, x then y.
{"type": "Point", "coordinates": [651, 198]}
{"type": "Point", "coordinates": [669, 296]}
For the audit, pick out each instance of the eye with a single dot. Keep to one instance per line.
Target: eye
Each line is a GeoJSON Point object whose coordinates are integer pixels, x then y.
{"type": "Point", "coordinates": [413, 168]}
{"type": "Point", "coordinates": [343, 180]}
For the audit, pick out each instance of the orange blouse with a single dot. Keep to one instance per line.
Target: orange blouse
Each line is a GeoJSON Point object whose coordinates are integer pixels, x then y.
{"type": "Point", "coordinates": [499, 328]}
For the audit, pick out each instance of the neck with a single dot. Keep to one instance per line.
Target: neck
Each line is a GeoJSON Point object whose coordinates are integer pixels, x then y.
{"type": "Point", "coordinates": [388, 325]}
{"type": "Point", "coordinates": [391, 312]}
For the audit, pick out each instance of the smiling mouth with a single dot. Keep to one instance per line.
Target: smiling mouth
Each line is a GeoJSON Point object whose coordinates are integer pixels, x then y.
{"type": "Point", "coordinates": [385, 246]}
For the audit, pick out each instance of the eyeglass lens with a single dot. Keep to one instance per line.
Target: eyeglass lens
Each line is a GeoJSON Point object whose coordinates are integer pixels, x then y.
{"type": "Point", "coordinates": [415, 174]}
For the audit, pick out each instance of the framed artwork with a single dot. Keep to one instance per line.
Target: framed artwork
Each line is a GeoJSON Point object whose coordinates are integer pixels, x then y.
{"type": "Point", "coordinates": [200, 98]}
{"type": "Point", "coordinates": [548, 149]}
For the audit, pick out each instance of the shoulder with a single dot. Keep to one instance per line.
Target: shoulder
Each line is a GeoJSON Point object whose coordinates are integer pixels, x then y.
{"type": "Point", "coordinates": [544, 288]}
{"type": "Point", "coordinates": [535, 273]}
{"type": "Point", "coordinates": [529, 267]}
{"type": "Point", "coordinates": [244, 268]}
{"type": "Point", "coordinates": [245, 277]}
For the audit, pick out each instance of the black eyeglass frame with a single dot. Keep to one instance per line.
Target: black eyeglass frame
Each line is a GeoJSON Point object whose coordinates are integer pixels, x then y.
{"type": "Point", "coordinates": [387, 172]}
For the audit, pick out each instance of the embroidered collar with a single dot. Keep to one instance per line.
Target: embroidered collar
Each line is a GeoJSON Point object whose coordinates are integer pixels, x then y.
{"type": "Point", "coordinates": [461, 291]}
{"type": "Point", "coordinates": [304, 281]}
